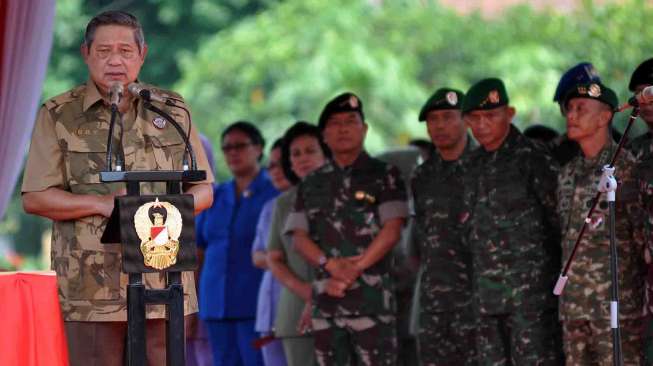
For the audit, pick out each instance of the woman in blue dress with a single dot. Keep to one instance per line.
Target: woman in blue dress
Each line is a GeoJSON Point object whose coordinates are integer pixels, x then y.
{"type": "Point", "coordinates": [229, 281]}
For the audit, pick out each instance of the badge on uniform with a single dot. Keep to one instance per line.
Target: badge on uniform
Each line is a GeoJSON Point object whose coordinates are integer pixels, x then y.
{"type": "Point", "coordinates": [594, 91]}
{"type": "Point", "coordinates": [159, 239]}
{"type": "Point", "coordinates": [493, 97]}
{"type": "Point", "coordinates": [362, 195]}
{"type": "Point", "coordinates": [159, 122]}
{"type": "Point", "coordinates": [452, 98]}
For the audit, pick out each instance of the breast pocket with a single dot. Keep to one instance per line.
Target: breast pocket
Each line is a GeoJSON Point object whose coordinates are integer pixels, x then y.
{"type": "Point", "coordinates": [86, 158]}
{"type": "Point", "coordinates": [167, 149]}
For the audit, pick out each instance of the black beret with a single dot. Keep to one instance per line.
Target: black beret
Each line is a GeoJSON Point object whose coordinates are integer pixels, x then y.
{"type": "Point", "coordinates": [486, 94]}
{"type": "Point", "coordinates": [443, 98]}
{"type": "Point", "coordinates": [643, 75]}
{"type": "Point", "coordinates": [595, 91]}
{"type": "Point", "coordinates": [345, 102]}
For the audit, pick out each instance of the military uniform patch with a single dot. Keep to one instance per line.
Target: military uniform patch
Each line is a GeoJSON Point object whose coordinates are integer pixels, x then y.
{"type": "Point", "coordinates": [594, 91]}
{"type": "Point", "coordinates": [452, 98]}
{"type": "Point", "coordinates": [159, 122]}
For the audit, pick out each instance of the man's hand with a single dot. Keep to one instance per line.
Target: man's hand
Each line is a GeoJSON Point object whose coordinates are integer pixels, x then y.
{"type": "Point", "coordinates": [105, 202]}
{"type": "Point", "coordinates": [335, 287]}
{"type": "Point", "coordinates": [305, 323]}
{"type": "Point", "coordinates": [344, 269]}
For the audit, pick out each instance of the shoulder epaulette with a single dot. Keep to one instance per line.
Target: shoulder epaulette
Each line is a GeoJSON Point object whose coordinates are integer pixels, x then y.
{"type": "Point", "coordinates": [65, 97]}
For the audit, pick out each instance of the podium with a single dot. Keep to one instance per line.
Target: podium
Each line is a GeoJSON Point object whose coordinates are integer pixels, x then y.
{"type": "Point", "coordinates": [157, 233]}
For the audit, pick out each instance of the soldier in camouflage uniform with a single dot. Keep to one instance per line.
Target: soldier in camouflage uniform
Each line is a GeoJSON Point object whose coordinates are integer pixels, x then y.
{"type": "Point", "coordinates": [446, 321]}
{"type": "Point", "coordinates": [61, 182]}
{"type": "Point", "coordinates": [513, 235]}
{"type": "Point", "coordinates": [347, 217]}
{"type": "Point", "coordinates": [642, 148]}
{"type": "Point", "coordinates": [584, 305]}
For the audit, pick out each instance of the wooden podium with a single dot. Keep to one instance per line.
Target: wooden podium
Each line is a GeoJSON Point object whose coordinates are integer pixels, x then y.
{"type": "Point", "coordinates": [157, 233]}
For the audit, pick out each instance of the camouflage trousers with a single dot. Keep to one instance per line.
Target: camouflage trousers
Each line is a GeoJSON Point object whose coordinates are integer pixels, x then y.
{"type": "Point", "coordinates": [447, 338]}
{"type": "Point", "coordinates": [589, 343]}
{"type": "Point", "coordinates": [522, 338]}
{"type": "Point", "coordinates": [365, 340]}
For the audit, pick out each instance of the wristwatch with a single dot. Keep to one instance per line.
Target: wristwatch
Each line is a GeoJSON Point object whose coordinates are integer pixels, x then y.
{"type": "Point", "coordinates": [322, 261]}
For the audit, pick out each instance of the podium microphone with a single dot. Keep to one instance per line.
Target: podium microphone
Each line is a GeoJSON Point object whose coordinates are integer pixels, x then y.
{"type": "Point", "coordinates": [115, 94]}
{"type": "Point", "coordinates": [643, 97]}
{"type": "Point", "coordinates": [140, 91]}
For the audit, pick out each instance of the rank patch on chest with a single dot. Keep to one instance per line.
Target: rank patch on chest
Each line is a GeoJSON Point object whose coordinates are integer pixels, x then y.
{"type": "Point", "coordinates": [159, 122]}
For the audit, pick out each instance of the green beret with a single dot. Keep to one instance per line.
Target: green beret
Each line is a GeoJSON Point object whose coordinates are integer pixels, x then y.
{"type": "Point", "coordinates": [643, 75]}
{"type": "Point", "coordinates": [443, 98]}
{"type": "Point", "coordinates": [486, 94]}
{"type": "Point", "coordinates": [345, 102]}
{"type": "Point", "coordinates": [595, 91]}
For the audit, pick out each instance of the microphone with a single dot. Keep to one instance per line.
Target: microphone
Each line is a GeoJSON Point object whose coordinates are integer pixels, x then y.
{"type": "Point", "coordinates": [645, 96]}
{"type": "Point", "coordinates": [115, 93]}
{"type": "Point", "coordinates": [140, 91]}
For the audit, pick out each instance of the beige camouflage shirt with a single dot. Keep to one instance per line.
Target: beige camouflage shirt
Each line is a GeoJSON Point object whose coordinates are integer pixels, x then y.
{"type": "Point", "coordinates": [587, 293]}
{"type": "Point", "coordinates": [68, 151]}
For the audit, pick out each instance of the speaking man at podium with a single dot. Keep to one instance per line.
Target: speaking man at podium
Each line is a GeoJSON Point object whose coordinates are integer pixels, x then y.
{"type": "Point", "coordinates": [61, 182]}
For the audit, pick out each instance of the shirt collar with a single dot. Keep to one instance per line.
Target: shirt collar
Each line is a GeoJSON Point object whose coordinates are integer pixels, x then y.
{"type": "Point", "coordinates": [92, 95]}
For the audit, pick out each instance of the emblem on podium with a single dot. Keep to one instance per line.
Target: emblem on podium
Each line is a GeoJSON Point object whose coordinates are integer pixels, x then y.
{"type": "Point", "coordinates": [158, 225]}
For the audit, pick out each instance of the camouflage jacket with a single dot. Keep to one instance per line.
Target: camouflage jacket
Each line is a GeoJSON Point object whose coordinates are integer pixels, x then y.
{"type": "Point", "coordinates": [68, 151]}
{"type": "Point", "coordinates": [343, 209]}
{"type": "Point", "coordinates": [587, 293]}
{"type": "Point", "coordinates": [513, 229]}
{"type": "Point", "coordinates": [440, 218]}
{"type": "Point", "coordinates": [642, 146]}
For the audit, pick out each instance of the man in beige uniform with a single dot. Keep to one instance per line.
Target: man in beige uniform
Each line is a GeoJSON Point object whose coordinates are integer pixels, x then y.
{"type": "Point", "coordinates": [61, 182]}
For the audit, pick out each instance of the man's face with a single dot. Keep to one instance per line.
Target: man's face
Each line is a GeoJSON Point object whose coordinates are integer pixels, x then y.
{"type": "Point", "coordinates": [114, 56]}
{"type": "Point", "coordinates": [585, 117]}
{"type": "Point", "coordinates": [445, 127]}
{"type": "Point", "coordinates": [490, 127]}
{"type": "Point", "coordinates": [645, 110]}
{"type": "Point", "coordinates": [344, 132]}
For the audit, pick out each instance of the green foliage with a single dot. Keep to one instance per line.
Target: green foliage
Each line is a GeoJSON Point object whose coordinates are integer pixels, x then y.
{"type": "Point", "coordinates": [275, 62]}
{"type": "Point", "coordinates": [285, 63]}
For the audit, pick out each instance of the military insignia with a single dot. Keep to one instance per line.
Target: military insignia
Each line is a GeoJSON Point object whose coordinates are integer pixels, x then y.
{"type": "Point", "coordinates": [594, 91]}
{"type": "Point", "coordinates": [159, 122]}
{"type": "Point", "coordinates": [361, 195]}
{"type": "Point", "coordinates": [452, 98]}
{"type": "Point", "coordinates": [582, 90]}
{"type": "Point", "coordinates": [353, 102]}
{"type": "Point", "coordinates": [160, 236]}
{"type": "Point", "coordinates": [493, 97]}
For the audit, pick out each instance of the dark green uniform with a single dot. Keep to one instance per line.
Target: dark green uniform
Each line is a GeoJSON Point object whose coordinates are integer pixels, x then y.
{"type": "Point", "coordinates": [343, 210]}
{"type": "Point", "coordinates": [514, 239]}
{"type": "Point", "coordinates": [446, 320]}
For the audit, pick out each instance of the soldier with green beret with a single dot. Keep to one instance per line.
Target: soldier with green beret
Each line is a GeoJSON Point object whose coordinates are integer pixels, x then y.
{"type": "Point", "coordinates": [446, 318]}
{"type": "Point", "coordinates": [584, 305]}
{"type": "Point", "coordinates": [62, 183]}
{"type": "Point", "coordinates": [513, 235]}
{"type": "Point", "coordinates": [347, 217]}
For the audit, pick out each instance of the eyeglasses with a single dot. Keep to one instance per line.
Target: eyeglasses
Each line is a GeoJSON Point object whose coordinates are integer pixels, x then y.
{"type": "Point", "coordinates": [235, 147]}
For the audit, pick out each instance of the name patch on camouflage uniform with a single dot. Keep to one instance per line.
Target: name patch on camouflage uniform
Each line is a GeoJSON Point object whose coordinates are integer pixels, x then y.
{"type": "Point", "coordinates": [159, 239]}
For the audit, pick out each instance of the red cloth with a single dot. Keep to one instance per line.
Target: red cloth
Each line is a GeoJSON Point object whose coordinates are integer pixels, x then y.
{"type": "Point", "coordinates": [30, 317]}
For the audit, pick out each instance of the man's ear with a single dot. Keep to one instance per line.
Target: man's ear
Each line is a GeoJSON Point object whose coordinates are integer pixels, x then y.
{"type": "Point", "coordinates": [84, 51]}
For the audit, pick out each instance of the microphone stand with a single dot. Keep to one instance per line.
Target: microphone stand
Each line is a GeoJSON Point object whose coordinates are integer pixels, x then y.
{"type": "Point", "coordinates": [115, 114]}
{"type": "Point", "coordinates": [608, 185]}
{"type": "Point", "coordinates": [188, 147]}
